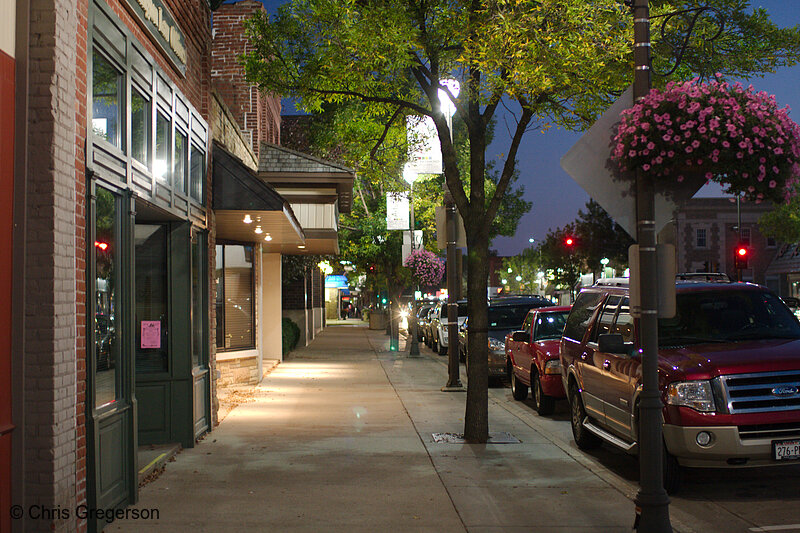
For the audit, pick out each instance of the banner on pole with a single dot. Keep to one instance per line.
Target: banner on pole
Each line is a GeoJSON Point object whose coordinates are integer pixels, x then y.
{"type": "Point", "coordinates": [397, 209]}
{"type": "Point", "coordinates": [424, 152]}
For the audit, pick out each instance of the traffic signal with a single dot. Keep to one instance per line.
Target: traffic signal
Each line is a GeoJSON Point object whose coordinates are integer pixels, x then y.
{"type": "Point", "coordinates": [569, 241]}
{"type": "Point", "coordinates": [741, 254]}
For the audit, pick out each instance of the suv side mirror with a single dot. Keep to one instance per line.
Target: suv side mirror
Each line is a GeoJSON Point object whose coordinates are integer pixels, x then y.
{"type": "Point", "coordinates": [519, 336]}
{"type": "Point", "coordinates": [611, 343]}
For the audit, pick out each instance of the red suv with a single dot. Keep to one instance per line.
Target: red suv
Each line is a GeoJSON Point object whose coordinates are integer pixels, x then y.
{"type": "Point", "coordinates": [729, 375]}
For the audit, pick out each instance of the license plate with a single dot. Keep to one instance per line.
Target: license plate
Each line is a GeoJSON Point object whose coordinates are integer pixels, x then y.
{"type": "Point", "coordinates": [785, 450]}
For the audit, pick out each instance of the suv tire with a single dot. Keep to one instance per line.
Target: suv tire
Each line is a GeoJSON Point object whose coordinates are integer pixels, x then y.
{"type": "Point", "coordinates": [583, 438]}
{"type": "Point", "coordinates": [545, 405]}
{"type": "Point", "coordinates": [441, 350]}
{"type": "Point", "coordinates": [518, 390]}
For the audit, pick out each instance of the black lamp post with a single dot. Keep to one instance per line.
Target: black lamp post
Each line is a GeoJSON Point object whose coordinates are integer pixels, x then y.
{"type": "Point", "coordinates": [652, 501]}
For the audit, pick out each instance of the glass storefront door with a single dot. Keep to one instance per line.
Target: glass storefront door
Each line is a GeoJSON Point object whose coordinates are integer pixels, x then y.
{"type": "Point", "coordinates": [111, 445]}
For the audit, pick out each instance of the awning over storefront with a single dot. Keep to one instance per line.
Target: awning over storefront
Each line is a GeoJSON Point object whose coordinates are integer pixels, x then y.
{"type": "Point", "coordinates": [318, 190]}
{"type": "Point", "coordinates": [249, 210]}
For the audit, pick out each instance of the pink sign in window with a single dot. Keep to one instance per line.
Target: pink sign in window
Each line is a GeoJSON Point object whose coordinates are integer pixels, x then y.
{"type": "Point", "coordinates": [151, 334]}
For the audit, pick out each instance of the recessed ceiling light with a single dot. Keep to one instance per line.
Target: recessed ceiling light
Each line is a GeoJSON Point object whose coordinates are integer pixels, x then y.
{"type": "Point", "coordinates": [247, 219]}
{"type": "Point", "coordinates": [268, 237]}
{"type": "Point", "coordinates": [258, 229]}
{"type": "Point", "coordinates": [301, 246]}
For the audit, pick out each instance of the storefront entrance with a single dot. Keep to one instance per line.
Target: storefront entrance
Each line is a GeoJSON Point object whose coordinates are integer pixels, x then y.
{"type": "Point", "coordinates": [148, 367]}
{"type": "Point", "coordinates": [170, 331]}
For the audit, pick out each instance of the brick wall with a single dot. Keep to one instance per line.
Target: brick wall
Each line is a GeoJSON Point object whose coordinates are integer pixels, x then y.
{"type": "Point", "coordinates": [316, 294]}
{"type": "Point", "coordinates": [52, 432]}
{"type": "Point", "coordinates": [258, 114]}
{"type": "Point", "coordinates": [227, 132]}
{"type": "Point", "coordinates": [294, 294]}
{"type": "Point", "coordinates": [239, 371]}
{"type": "Point", "coordinates": [80, 253]}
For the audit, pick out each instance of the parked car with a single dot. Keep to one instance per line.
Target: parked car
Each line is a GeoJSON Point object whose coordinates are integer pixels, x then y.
{"type": "Point", "coordinates": [505, 314]}
{"type": "Point", "coordinates": [438, 325]}
{"type": "Point", "coordinates": [729, 375]}
{"type": "Point", "coordinates": [426, 326]}
{"type": "Point", "coordinates": [422, 315]}
{"type": "Point", "coordinates": [532, 357]}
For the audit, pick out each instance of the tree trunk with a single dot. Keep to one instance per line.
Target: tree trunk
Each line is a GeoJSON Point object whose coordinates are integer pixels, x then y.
{"type": "Point", "coordinates": [476, 418]}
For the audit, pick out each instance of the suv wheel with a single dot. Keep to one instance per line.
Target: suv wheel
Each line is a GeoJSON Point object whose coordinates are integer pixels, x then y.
{"type": "Point", "coordinates": [545, 405]}
{"type": "Point", "coordinates": [442, 350]}
{"type": "Point", "coordinates": [583, 438]}
{"type": "Point", "coordinates": [518, 390]}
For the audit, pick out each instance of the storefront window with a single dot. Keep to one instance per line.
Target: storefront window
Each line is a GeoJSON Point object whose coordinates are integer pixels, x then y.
{"type": "Point", "coordinates": [140, 128]}
{"type": "Point", "coordinates": [152, 292]}
{"type": "Point", "coordinates": [198, 293]}
{"type": "Point", "coordinates": [106, 346]}
{"type": "Point", "coordinates": [235, 299]}
{"type": "Point", "coordinates": [161, 163]}
{"type": "Point", "coordinates": [197, 173]}
{"type": "Point", "coordinates": [179, 168]}
{"type": "Point", "coordinates": [106, 98]}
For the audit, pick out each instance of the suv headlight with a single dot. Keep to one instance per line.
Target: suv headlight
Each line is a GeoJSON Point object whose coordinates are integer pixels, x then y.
{"type": "Point", "coordinates": [695, 394]}
{"type": "Point", "coordinates": [496, 345]}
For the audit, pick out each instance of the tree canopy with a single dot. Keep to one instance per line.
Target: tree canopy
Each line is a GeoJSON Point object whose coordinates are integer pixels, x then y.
{"type": "Point", "coordinates": [547, 62]}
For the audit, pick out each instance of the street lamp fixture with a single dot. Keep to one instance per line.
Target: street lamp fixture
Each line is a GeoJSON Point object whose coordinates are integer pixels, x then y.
{"type": "Point", "coordinates": [518, 278]}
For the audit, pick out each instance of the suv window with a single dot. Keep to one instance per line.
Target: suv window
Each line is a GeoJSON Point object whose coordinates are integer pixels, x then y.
{"type": "Point", "coordinates": [581, 315]}
{"type": "Point", "coordinates": [607, 317]}
{"type": "Point", "coordinates": [624, 323]}
{"type": "Point", "coordinates": [724, 316]}
{"type": "Point", "coordinates": [526, 325]}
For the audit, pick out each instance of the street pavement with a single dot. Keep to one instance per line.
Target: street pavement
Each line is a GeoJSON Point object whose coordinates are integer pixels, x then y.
{"type": "Point", "coordinates": [339, 437]}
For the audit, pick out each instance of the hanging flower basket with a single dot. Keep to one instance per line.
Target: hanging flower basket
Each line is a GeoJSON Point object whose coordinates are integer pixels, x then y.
{"type": "Point", "coordinates": [724, 133]}
{"type": "Point", "coordinates": [426, 267]}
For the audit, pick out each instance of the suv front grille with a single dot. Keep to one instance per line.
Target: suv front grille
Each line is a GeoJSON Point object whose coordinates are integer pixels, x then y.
{"type": "Point", "coordinates": [762, 392]}
{"type": "Point", "coordinates": [770, 431]}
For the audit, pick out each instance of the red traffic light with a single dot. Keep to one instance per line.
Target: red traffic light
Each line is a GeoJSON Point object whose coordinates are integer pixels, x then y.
{"type": "Point", "coordinates": [740, 257]}
{"type": "Point", "coordinates": [569, 241]}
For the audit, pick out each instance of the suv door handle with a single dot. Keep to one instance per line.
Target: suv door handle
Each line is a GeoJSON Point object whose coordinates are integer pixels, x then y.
{"type": "Point", "coordinates": [607, 364]}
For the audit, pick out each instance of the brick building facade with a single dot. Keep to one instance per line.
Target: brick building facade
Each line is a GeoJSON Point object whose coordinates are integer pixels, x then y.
{"type": "Point", "coordinates": [116, 139]}
{"type": "Point", "coordinates": [258, 114]}
{"type": "Point", "coordinates": [707, 234]}
{"type": "Point", "coordinates": [97, 88]}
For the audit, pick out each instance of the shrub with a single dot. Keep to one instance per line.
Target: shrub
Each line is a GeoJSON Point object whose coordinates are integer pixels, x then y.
{"type": "Point", "coordinates": [290, 333]}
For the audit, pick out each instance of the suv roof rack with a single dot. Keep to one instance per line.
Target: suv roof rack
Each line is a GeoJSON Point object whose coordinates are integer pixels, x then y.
{"type": "Point", "coordinates": [708, 277]}
{"type": "Point", "coordinates": [612, 282]}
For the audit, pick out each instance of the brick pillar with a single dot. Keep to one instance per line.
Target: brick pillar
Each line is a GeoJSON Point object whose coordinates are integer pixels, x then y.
{"type": "Point", "coordinates": [55, 268]}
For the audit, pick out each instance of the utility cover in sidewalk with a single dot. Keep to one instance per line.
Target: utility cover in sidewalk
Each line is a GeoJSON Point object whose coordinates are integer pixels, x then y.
{"type": "Point", "coordinates": [501, 437]}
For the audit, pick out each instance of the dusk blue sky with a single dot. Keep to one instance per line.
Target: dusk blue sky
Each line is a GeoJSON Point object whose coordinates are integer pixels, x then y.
{"type": "Point", "coordinates": [555, 196]}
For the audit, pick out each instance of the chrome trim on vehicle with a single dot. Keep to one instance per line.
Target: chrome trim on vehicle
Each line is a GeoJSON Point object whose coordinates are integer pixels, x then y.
{"type": "Point", "coordinates": [761, 392]}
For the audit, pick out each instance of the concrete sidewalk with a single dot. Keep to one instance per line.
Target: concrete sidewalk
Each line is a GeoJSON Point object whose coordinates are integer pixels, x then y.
{"type": "Point", "coordinates": [339, 438]}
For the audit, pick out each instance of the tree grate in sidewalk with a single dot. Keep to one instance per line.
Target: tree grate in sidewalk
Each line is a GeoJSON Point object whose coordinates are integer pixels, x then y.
{"type": "Point", "coordinates": [501, 437]}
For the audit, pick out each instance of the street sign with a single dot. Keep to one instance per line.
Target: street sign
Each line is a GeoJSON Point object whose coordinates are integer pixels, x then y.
{"type": "Point", "coordinates": [441, 229]}
{"type": "Point", "coordinates": [397, 210]}
{"type": "Point", "coordinates": [336, 282]}
{"type": "Point", "coordinates": [588, 163]}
